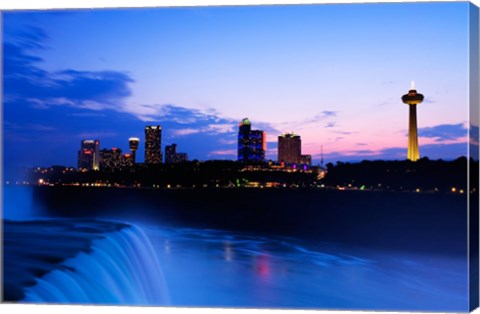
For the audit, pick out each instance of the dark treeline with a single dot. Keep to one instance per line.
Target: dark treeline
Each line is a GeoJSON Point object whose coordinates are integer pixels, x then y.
{"type": "Point", "coordinates": [425, 174]}
{"type": "Point", "coordinates": [422, 176]}
{"type": "Point", "coordinates": [218, 173]}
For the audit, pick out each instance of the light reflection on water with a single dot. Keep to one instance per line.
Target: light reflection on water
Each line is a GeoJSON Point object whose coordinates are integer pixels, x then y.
{"type": "Point", "coordinates": [205, 267]}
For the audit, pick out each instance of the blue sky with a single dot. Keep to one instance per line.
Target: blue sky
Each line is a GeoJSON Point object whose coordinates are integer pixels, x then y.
{"type": "Point", "coordinates": [333, 73]}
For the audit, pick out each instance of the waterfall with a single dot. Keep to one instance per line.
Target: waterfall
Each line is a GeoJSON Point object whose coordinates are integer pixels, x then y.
{"type": "Point", "coordinates": [122, 268]}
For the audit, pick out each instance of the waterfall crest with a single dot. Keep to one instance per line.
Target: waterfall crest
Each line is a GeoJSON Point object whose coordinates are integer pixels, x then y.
{"type": "Point", "coordinates": [122, 268]}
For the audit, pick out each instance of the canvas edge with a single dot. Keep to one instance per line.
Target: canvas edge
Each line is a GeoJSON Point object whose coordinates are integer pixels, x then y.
{"type": "Point", "coordinates": [473, 202]}
{"type": "Point", "coordinates": [474, 96]}
{"type": "Point", "coordinates": [1, 157]}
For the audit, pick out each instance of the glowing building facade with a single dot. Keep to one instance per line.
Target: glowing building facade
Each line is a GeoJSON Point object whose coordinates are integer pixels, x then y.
{"type": "Point", "coordinates": [289, 148]}
{"type": "Point", "coordinates": [89, 155]}
{"type": "Point", "coordinates": [153, 144]}
{"type": "Point", "coordinates": [252, 144]}
{"type": "Point", "coordinates": [412, 99]}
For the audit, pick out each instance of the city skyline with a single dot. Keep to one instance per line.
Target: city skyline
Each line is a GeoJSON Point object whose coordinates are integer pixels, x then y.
{"type": "Point", "coordinates": [251, 148]}
{"type": "Point", "coordinates": [198, 71]}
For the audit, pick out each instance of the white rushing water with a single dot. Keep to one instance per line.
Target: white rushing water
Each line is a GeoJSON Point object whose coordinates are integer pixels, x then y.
{"type": "Point", "coordinates": [122, 269]}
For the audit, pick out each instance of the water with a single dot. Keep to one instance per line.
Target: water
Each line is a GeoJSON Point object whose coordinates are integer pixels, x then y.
{"type": "Point", "coordinates": [209, 267]}
{"type": "Point", "coordinates": [205, 267]}
{"type": "Point", "coordinates": [121, 269]}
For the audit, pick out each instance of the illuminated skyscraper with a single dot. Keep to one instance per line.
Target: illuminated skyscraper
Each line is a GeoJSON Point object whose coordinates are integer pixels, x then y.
{"type": "Point", "coordinates": [133, 143]}
{"type": "Point", "coordinates": [252, 144]}
{"type": "Point", "coordinates": [289, 148]}
{"type": "Point", "coordinates": [412, 99]}
{"type": "Point", "coordinates": [153, 144]}
{"type": "Point", "coordinates": [89, 155]}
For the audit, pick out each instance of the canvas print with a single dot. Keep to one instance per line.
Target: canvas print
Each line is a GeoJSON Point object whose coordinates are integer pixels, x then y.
{"type": "Point", "coordinates": [285, 156]}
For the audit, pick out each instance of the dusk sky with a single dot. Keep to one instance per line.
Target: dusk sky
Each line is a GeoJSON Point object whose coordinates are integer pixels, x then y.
{"type": "Point", "coordinates": [333, 74]}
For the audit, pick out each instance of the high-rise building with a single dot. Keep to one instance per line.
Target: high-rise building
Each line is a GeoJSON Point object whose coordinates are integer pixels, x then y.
{"type": "Point", "coordinates": [133, 143]}
{"type": "Point", "coordinates": [89, 155]}
{"type": "Point", "coordinates": [289, 148]}
{"type": "Point", "coordinates": [252, 144]}
{"type": "Point", "coordinates": [244, 139]}
{"type": "Point", "coordinates": [153, 144]}
{"type": "Point", "coordinates": [171, 155]}
{"type": "Point", "coordinates": [412, 99]}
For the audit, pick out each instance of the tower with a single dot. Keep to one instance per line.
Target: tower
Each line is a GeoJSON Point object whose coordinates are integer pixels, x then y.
{"type": "Point", "coordinates": [251, 143]}
{"type": "Point", "coordinates": [412, 99]}
{"type": "Point", "coordinates": [153, 144]}
{"type": "Point", "coordinates": [133, 143]}
{"type": "Point", "coordinates": [289, 148]}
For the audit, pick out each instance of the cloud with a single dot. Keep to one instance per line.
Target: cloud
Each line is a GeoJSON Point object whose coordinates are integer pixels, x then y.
{"type": "Point", "coordinates": [390, 101]}
{"type": "Point", "coordinates": [202, 120]}
{"type": "Point", "coordinates": [25, 79]}
{"type": "Point", "coordinates": [230, 153]}
{"type": "Point", "coordinates": [320, 117]}
{"type": "Point", "coordinates": [96, 135]}
{"type": "Point", "coordinates": [73, 104]}
{"type": "Point", "coordinates": [444, 132]}
{"type": "Point", "coordinates": [227, 141]}
{"type": "Point", "coordinates": [183, 132]}
{"type": "Point", "coordinates": [173, 113]}
{"type": "Point", "coordinates": [323, 116]}
{"type": "Point", "coordinates": [88, 114]}
{"type": "Point", "coordinates": [448, 151]}
{"type": "Point", "coordinates": [35, 127]}
{"type": "Point", "coordinates": [429, 100]}
{"type": "Point", "coordinates": [221, 128]}
{"type": "Point", "coordinates": [444, 151]}
{"type": "Point", "coordinates": [328, 113]}
{"type": "Point", "coordinates": [344, 132]}
{"type": "Point", "coordinates": [185, 121]}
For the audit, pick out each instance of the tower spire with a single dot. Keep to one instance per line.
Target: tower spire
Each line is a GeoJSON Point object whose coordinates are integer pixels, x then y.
{"type": "Point", "coordinates": [321, 155]}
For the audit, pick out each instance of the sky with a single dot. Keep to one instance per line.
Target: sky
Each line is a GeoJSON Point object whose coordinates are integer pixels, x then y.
{"type": "Point", "coordinates": [332, 73]}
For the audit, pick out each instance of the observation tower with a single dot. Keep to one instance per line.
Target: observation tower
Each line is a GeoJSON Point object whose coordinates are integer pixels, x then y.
{"type": "Point", "coordinates": [412, 99]}
{"type": "Point", "coordinates": [133, 143]}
